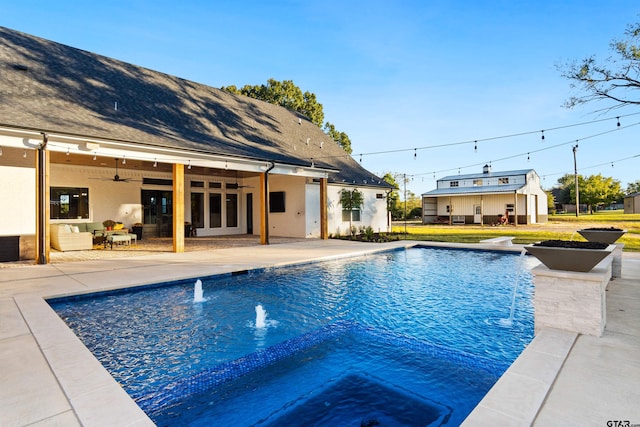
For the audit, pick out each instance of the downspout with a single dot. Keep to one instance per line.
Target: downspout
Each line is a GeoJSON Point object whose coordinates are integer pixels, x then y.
{"type": "Point", "coordinates": [266, 201]}
{"type": "Point", "coordinates": [42, 183]}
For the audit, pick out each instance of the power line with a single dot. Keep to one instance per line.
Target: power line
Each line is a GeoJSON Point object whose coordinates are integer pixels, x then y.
{"type": "Point", "coordinates": [494, 138]}
{"type": "Point", "coordinates": [528, 153]}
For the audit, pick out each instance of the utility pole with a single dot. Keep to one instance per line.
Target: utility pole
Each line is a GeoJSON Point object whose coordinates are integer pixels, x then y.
{"type": "Point", "coordinates": [575, 170]}
{"type": "Point", "coordinates": [404, 180]}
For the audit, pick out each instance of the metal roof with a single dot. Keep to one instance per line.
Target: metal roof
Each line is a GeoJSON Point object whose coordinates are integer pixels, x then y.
{"type": "Point", "coordinates": [487, 189]}
{"type": "Point", "coordinates": [486, 175]}
{"type": "Point", "coordinates": [50, 87]}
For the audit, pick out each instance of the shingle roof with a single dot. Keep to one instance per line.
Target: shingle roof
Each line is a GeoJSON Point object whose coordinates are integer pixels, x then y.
{"type": "Point", "coordinates": [47, 86]}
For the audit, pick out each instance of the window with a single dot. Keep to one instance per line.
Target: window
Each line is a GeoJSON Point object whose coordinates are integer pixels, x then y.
{"type": "Point", "coordinates": [379, 196]}
{"type": "Point", "coordinates": [68, 202]}
{"type": "Point", "coordinates": [215, 185]}
{"type": "Point", "coordinates": [477, 182]}
{"type": "Point", "coordinates": [232, 210]}
{"type": "Point", "coordinates": [453, 184]}
{"type": "Point", "coordinates": [510, 208]}
{"type": "Point", "coordinates": [353, 215]}
{"type": "Point", "coordinates": [215, 210]}
{"type": "Point", "coordinates": [503, 180]}
{"type": "Point", "coordinates": [198, 184]}
{"type": "Point", "coordinates": [276, 201]}
{"type": "Point", "coordinates": [197, 210]}
{"type": "Point", "coordinates": [448, 209]}
{"type": "Point", "coordinates": [156, 181]}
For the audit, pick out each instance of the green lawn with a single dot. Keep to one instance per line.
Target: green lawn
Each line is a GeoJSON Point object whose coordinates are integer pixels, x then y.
{"type": "Point", "coordinates": [561, 227]}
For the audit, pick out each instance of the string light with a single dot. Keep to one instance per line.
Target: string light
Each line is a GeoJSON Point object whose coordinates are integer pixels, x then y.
{"type": "Point", "coordinates": [94, 156]}
{"type": "Point", "coordinates": [475, 146]}
{"type": "Point", "coordinates": [360, 158]}
{"type": "Point", "coordinates": [189, 165]}
{"type": "Point", "coordinates": [24, 154]}
{"type": "Point", "coordinates": [124, 160]}
{"type": "Point", "coordinates": [155, 163]}
{"type": "Point", "coordinates": [618, 118]}
{"type": "Point", "coordinates": [528, 157]}
{"type": "Point", "coordinates": [415, 153]}
{"type": "Point", "coordinates": [542, 134]}
{"type": "Point", "coordinates": [68, 152]}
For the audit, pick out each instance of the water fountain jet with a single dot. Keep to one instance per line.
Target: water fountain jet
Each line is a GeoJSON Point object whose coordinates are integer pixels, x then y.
{"type": "Point", "coordinates": [198, 293]}
{"type": "Point", "coordinates": [261, 316]}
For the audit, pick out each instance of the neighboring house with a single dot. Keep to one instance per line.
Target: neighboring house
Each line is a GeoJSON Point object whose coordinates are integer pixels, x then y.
{"type": "Point", "coordinates": [484, 198]}
{"type": "Point", "coordinates": [632, 203]}
{"type": "Point", "coordinates": [85, 138]}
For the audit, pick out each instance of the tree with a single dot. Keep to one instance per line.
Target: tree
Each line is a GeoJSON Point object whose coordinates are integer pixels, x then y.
{"type": "Point", "coordinates": [288, 95]}
{"type": "Point", "coordinates": [341, 138]}
{"type": "Point", "coordinates": [594, 190]}
{"type": "Point", "coordinates": [615, 80]}
{"type": "Point", "coordinates": [633, 187]}
{"type": "Point", "coordinates": [351, 200]}
{"type": "Point", "coordinates": [393, 197]}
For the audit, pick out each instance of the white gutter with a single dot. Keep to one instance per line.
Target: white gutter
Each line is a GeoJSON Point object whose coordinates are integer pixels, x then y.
{"type": "Point", "coordinates": [27, 139]}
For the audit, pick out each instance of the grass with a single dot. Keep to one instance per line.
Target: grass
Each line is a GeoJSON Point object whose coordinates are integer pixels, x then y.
{"type": "Point", "coordinates": [562, 227]}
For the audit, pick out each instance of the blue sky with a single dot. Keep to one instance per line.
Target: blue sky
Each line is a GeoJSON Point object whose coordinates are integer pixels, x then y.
{"type": "Point", "coordinates": [394, 75]}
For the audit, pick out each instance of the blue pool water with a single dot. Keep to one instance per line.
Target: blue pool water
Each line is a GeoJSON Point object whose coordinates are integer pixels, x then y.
{"type": "Point", "coordinates": [410, 337]}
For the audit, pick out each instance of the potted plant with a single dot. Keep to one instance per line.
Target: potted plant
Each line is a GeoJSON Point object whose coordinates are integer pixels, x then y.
{"type": "Point", "coordinates": [569, 255]}
{"type": "Point", "coordinates": [137, 230]}
{"type": "Point", "coordinates": [603, 234]}
{"type": "Point", "coordinates": [108, 224]}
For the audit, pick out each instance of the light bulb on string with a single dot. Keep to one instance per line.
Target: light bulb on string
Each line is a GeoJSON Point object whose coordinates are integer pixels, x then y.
{"type": "Point", "coordinates": [528, 157]}
{"type": "Point", "coordinates": [94, 156]}
{"type": "Point", "coordinates": [618, 118]}
{"type": "Point", "coordinates": [189, 165]}
{"type": "Point", "coordinates": [124, 160]}
{"type": "Point", "coordinates": [475, 146]}
{"type": "Point", "coordinates": [542, 131]}
{"type": "Point", "coordinates": [415, 153]}
{"type": "Point", "coordinates": [155, 163]}
{"type": "Point", "coordinates": [360, 158]}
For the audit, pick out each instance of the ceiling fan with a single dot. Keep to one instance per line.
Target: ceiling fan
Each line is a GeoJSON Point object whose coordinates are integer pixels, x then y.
{"type": "Point", "coordinates": [237, 185]}
{"type": "Point", "coordinates": [116, 177]}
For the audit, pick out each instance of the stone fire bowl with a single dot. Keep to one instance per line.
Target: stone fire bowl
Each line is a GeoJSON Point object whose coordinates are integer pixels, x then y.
{"type": "Point", "coordinates": [603, 236]}
{"type": "Point", "coordinates": [569, 259]}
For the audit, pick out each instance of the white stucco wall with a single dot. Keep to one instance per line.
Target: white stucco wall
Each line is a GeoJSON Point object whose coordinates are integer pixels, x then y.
{"type": "Point", "coordinates": [373, 212]}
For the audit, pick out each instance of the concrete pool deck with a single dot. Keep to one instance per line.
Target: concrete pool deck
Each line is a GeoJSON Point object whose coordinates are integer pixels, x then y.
{"type": "Point", "coordinates": [48, 377]}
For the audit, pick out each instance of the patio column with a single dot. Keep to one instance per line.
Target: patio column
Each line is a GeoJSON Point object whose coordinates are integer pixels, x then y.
{"type": "Point", "coordinates": [264, 214]}
{"type": "Point", "coordinates": [324, 223]}
{"type": "Point", "coordinates": [42, 203]}
{"type": "Point", "coordinates": [515, 209]}
{"type": "Point", "coordinates": [178, 208]}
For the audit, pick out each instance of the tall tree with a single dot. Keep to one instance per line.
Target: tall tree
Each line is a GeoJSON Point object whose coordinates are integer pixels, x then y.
{"type": "Point", "coordinates": [340, 137]}
{"type": "Point", "coordinates": [288, 95]}
{"type": "Point", "coordinates": [633, 187]}
{"type": "Point", "coordinates": [393, 199]}
{"type": "Point", "coordinates": [616, 79]}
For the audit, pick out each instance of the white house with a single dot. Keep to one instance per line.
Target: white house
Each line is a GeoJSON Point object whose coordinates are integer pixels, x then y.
{"type": "Point", "coordinates": [85, 138]}
{"type": "Point", "coordinates": [487, 198]}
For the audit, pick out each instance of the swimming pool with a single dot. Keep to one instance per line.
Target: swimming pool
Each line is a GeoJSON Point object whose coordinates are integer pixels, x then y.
{"type": "Point", "coordinates": [417, 330]}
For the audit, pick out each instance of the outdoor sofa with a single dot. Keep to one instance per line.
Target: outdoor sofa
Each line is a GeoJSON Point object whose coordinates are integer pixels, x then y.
{"type": "Point", "coordinates": [75, 237]}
